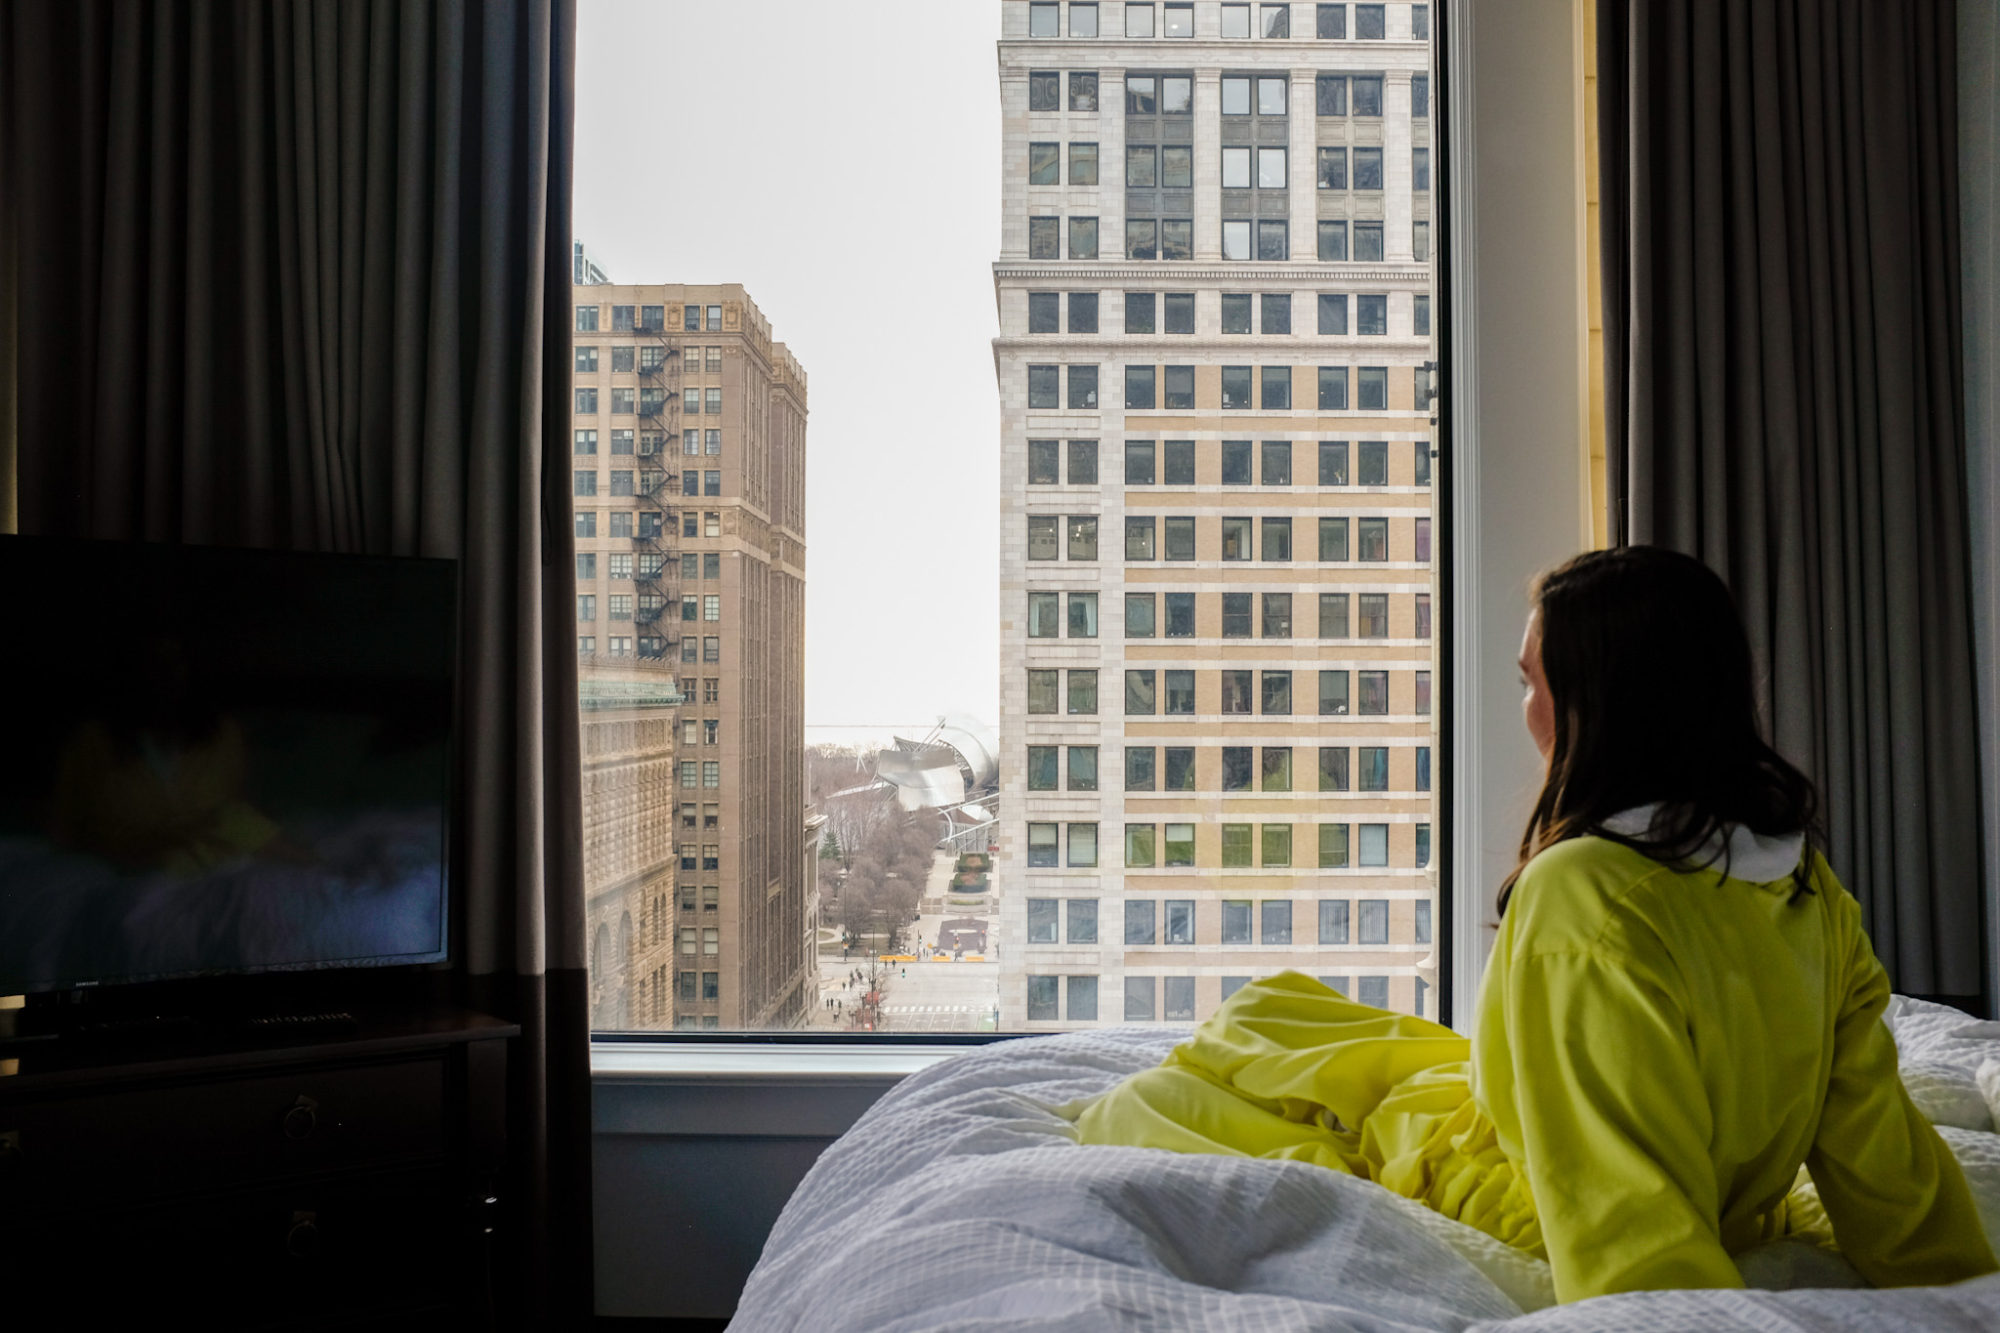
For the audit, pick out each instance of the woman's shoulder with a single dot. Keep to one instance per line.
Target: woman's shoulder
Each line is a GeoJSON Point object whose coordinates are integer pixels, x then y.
{"type": "Point", "coordinates": [1576, 895]}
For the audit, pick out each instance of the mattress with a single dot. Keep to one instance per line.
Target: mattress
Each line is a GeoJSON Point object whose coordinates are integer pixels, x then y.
{"type": "Point", "coordinates": [961, 1200]}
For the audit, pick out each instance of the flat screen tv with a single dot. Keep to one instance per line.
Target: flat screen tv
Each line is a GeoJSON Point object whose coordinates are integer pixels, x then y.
{"type": "Point", "coordinates": [221, 762]}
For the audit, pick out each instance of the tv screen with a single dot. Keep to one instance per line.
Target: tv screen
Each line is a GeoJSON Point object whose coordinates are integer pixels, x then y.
{"type": "Point", "coordinates": [221, 761]}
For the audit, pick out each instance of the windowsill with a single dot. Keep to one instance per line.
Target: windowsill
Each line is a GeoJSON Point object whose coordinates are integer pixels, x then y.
{"type": "Point", "coordinates": [638, 1061]}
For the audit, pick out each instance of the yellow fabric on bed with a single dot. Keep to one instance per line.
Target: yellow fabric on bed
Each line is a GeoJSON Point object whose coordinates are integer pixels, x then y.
{"type": "Point", "coordinates": [1656, 1054]}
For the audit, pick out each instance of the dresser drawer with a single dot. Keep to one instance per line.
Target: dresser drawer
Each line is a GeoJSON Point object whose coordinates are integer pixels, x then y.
{"type": "Point", "coordinates": [71, 1153]}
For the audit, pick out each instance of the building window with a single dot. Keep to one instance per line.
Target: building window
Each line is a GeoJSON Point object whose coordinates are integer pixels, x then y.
{"type": "Point", "coordinates": [1043, 387]}
{"type": "Point", "coordinates": [1043, 687]}
{"type": "Point", "coordinates": [1083, 312]}
{"type": "Point", "coordinates": [1371, 22]}
{"type": "Point", "coordinates": [586, 319]}
{"type": "Point", "coordinates": [1083, 920]}
{"type": "Point", "coordinates": [1420, 325]}
{"type": "Point", "coordinates": [1042, 920]}
{"type": "Point", "coordinates": [1367, 168]}
{"type": "Point", "coordinates": [1140, 769]}
{"type": "Point", "coordinates": [1083, 238]}
{"type": "Point", "coordinates": [1083, 164]}
{"type": "Point", "coordinates": [1044, 164]}
{"type": "Point", "coordinates": [1277, 918]}
{"type": "Point", "coordinates": [1044, 90]}
{"type": "Point", "coordinates": [1333, 690]}
{"type": "Point", "coordinates": [1235, 921]}
{"type": "Point", "coordinates": [1331, 23]}
{"type": "Point", "coordinates": [1333, 388]}
{"type": "Point", "coordinates": [1138, 20]}
{"type": "Point", "coordinates": [1333, 546]}
{"type": "Point", "coordinates": [1042, 17]}
{"type": "Point", "coordinates": [1179, 837]}
{"type": "Point", "coordinates": [1371, 315]}
{"type": "Point", "coordinates": [1083, 692]}
{"type": "Point", "coordinates": [1374, 925]}
{"type": "Point", "coordinates": [1333, 241]}
{"type": "Point", "coordinates": [1138, 990]}
{"type": "Point", "coordinates": [1277, 543]}
{"type": "Point", "coordinates": [1333, 846]}
{"type": "Point", "coordinates": [1083, 990]}
{"type": "Point", "coordinates": [1333, 774]}
{"type": "Point", "coordinates": [1371, 693]}
{"type": "Point", "coordinates": [1082, 388]}
{"type": "Point", "coordinates": [1139, 394]}
{"type": "Point", "coordinates": [1044, 312]}
{"type": "Point", "coordinates": [1044, 462]}
{"type": "Point", "coordinates": [1044, 613]}
{"type": "Point", "coordinates": [1180, 615]}
{"type": "Point", "coordinates": [1372, 388]}
{"type": "Point", "coordinates": [1236, 389]}
{"type": "Point", "coordinates": [1178, 996]}
{"type": "Point", "coordinates": [1043, 234]}
{"type": "Point", "coordinates": [1275, 765]}
{"type": "Point", "coordinates": [1179, 396]}
{"type": "Point", "coordinates": [586, 606]}
{"type": "Point", "coordinates": [1420, 30]}
{"type": "Point", "coordinates": [1140, 926]}
{"type": "Point", "coordinates": [1139, 693]}
{"type": "Point", "coordinates": [1179, 921]}
{"type": "Point", "coordinates": [1277, 383]}
{"type": "Point", "coordinates": [1420, 169]}
{"type": "Point", "coordinates": [1374, 763]}
{"type": "Point", "coordinates": [1140, 851]}
{"type": "Point", "coordinates": [1277, 621]}
{"type": "Point", "coordinates": [1083, 615]}
{"type": "Point", "coordinates": [1368, 242]}
{"type": "Point", "coordinates": [1042, 991]}
{"type": "Point", "coordinates": [1332, 919]}
{"type": "Point", "coordinates": [1237, 846]}
{"type": "Point", "coordinates": [1276, 694]}
{"type": "Point", "coordinates": [1041, 845]}
{"type": "Point", "coordinates": [1374, 846]}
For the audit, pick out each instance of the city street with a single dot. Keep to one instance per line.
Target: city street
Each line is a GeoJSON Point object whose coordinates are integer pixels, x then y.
{"type": "Point", "coordinates": [935, 995]}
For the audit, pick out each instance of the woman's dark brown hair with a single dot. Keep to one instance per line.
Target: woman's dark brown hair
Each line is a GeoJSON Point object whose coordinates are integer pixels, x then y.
{"type": "Point", "coordinates": [1654, 697]}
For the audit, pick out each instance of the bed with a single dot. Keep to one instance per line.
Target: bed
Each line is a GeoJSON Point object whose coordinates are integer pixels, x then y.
{"type": "Point", "coordinates": [961, 1200]}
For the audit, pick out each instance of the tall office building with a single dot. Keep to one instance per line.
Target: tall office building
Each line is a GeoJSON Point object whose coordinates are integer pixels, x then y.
{"type": "Point", "coordinates": [689, 497]}
{"type": "Point", "coordinates": [1215, 577]}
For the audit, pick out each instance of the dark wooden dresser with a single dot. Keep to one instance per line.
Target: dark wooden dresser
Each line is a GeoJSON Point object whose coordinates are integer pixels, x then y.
{"type": "Point", "coordinates": [221, 1178]}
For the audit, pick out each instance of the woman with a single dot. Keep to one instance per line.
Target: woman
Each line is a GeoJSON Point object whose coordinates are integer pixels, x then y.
{"type": "Point", "coordinates": [1680, 1009]}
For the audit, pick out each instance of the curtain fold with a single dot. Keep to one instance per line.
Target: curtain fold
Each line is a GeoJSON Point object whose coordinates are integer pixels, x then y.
{"type": "Point", "coordinates": [296, 278]}
{"type": "Point", "coordinates": [1783, 373]}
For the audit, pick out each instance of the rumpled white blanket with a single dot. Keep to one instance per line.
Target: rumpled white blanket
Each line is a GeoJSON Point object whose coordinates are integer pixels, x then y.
{"type": "Point", "coordinates": [962, 1201]}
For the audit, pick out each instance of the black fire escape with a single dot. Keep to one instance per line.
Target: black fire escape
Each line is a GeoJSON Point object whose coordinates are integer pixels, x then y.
{"type": "Point", "coordinates": [655, 557]}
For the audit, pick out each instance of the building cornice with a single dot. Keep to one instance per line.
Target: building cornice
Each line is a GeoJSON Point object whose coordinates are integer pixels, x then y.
{"type": "Point", "coordinates": [1233, 274]}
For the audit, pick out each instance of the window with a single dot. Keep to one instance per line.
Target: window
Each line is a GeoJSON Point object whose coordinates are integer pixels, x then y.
{"type": "Point", "coordinates": [1044, 312]}
{"type": "Point", "coordinates": [1139, 538]}
{"type": "Point", "coordinates": [1083, 388]}
{"type": "Point", "coordinates": [1083, 692]}
{"type": "Point", "coordinates": [586, 442]}
{"type": "Point", "coordinates": [1333, 547]}
{"type": "Point", "coordinates": [1083, 615]}
{"type": "Point", "coordinates": [1082, 925]}
{"type": "Point", "coordinates": [1367, 168]}
{"type": "Point", "coordinates": [1276, 20]}
{"type": "Point", "coordinates": [1139, 388]}
{"type": "Point", "coordinates": [586, 523]}
{"type": "Point", "coordinates": [1332, 23]}
{"type": "Point", "coordinates": [1139, 617]}
{"type": "Point", "coordinates": [586, 402]}
{"type": "Point", "coordinates": [1179, 395]}
{"type": "Point", "coordinates": [586, 319]}
{"type": "Point", "coordinates": [1177, 537]}
{"type": "Point", "coordinates": [1042, 688]}
{"type": "Point", "coordinates": [1083, 164]}
{"type": "Point", "coordinates": [1276, 921]}
{"type": "Point", "coordinates": [1368, 242]}
{"type": "Point", "coordinates": [1140, 849]}
{"type": "Point", "coordinates": [1178, 997]}
{"type": "Point", "coordinates": [1235, 921]}
{"type": "Point", "coordinates": [1371, 22]}
{"type": "Point", "coordinates": [1423, 692]}
{"type": "Point", "coordinates": [586, 360]}
{"type": "Point", "coordinates": [1420, 169]}
{"type": "Point", "coordinates": [1236, 615]}
{"type": "Point", "coordinates": [1083, 990]}
{"type": "Point", "coordinates": [1041, 845]}
{"type": "Point", "coordinates": [1138, 990]}
{"type": "Point", "coordinates": [1042, 387]}
{"type": "Point", "coordinates": [1275, 764]}
{"type": "Point", "coordinates": [1044, 462]}
{"type": "Point", "coordinates": [1237, 845]}
{"type": "Point", "coordinates": [1333, 314]}
{"type": "Point", "coordinates": [1140, 921]}
{"type": "Point", "coordinates": [1333, 773]}
{"type": "Point", "coordinates": [1421, 528]}
{"type": "Point", "coordinates": [1373, 990]}
{"type": "Point", "coordinates": [1333, 691]}
{"type": "Point", "coordinates": [1277, 693]}
{"type": "Point", "coordinates": [1374, 763]}
{"type": "Point", "coordinates": [1236, 21]}
{"type": "Point", "coordinates": [1371, 693]}
{"type": "Point", "coordinates": [1180, 615]}
{"type": "Point", "coordinates": [1083, 537]}
{"type": "Point", "coordinates": [1138, 20]}
{"type": "Point", "coordinates": [1042, 920]}
{"type": "Point", "coordinates": [586, 566]}
{"type": "Point", "coordinates": [585, 483]}
{"type": "Point", "coordinates": [1423, 758]}
{"type": "Point", "coordinates": [1277, 384]}
{"type": "Point", "coordinates": [1142, 166]}
{"type": "Point", "coordinates": [1374, 926]}
{"type": "Point", "coordinates": [1371, 315]}
{"type": "Point", "coordinates": [1372, 463]}
{"type": "Point", "coordinates": [1420, 30]}
{"type": "Point", "coordinates": [1180, 837]}
{"type": "Point", "coordinates": [1140, 771]}
{"type": "Point", "coordinates": [1044, 534]}
{"type": "Point", "coordinates": [1140, 308]}
{"type": "Point", "coordinates": [1082, 91]}
{"type": "Point", "coordinates": [1332, 918]}
{"type": "Point", "coordinates": [1043, 613]}
{"type": "Point", "coordinates": [1277, 615]}
{"type": "Point", "coordinates": [1372, 388]}
{"type": "Point", "coordinates": [1044, 164]}
{"type": "Point", "coordinates": [1237, 697]}
{"type": "Point", "coordinates": [1139, 693]}
{"type": "Point", "coordinates": [1177, 20]}
{"type": "Point", "coordinates": [1423, 858]}
{"type": "Point", "coordinates": [1420, 325]}
{"type": "Point", "coordinates": [1179, 687]}
{"type": "Point", "coordinates": [1420, 240]}
{"type": "Point", "coordinates": [1333, 846]}
{"type": "Point", "coordinates": [1373, 539]}
{"type": "Point", "coordinates": [1374, 845]}
{"type": "Point", "coordinates": [1179, 312]}
{"type": "Point", "coordinates": [1277, 543]}
{"type": "Point", "coordinates": [586, 606]}
{"type": "Point", "coordinates": [1236, 389]}
{"type": "Point", "coordinates": [1083, 23]}
{"type": "Point", "coordinates": [1042, 237]}
{"type": "Point", "coordinates": [1179, 923]}
{"type": "Point", "coordinates": [1333, 388]}
{"type": "Point", "coordinates": [1042, 991]}
{"type": "Point", "coordinates": [1082, 238]}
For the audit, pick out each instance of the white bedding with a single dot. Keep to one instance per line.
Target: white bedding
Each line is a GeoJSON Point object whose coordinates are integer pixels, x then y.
{"type": "Point", "coordinates": [961, 1200]}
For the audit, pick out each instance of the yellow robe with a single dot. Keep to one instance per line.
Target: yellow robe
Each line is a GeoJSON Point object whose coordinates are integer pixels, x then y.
{"type": "Point", "coordinates": [1655, 1056]}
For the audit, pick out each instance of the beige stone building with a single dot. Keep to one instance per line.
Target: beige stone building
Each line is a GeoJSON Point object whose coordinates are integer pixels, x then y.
{"type": "Point", "coordinates": [689, 498]}
{"type": "Point", "coordinates": [1216, 588]}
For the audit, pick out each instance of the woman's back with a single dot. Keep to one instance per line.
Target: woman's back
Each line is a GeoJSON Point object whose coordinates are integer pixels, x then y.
{"type": "Point", "coordinates": [1663, 1050]}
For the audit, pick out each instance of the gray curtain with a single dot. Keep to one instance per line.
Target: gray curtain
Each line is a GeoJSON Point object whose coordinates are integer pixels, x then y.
{"type": "Point", "coordinates": [1782, 364]}
{"type": "Point", "coordinates": [295, 275]}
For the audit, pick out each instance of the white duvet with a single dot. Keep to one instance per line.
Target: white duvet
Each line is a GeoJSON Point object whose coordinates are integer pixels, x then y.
{"type": "Point", "coordinates": [962, 1201]}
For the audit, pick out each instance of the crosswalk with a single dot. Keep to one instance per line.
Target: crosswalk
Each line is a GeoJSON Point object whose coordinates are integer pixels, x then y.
{"type": "Point", "coordinates": [936, 1009]}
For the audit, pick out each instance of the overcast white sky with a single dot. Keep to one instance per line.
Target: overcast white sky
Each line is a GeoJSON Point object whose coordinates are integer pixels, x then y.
{"type": "Point", "coordinates": [848, 177]}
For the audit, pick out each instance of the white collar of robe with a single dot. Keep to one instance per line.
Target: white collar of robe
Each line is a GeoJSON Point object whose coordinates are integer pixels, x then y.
{"type": "Point", "coordinates": [1753, 857]}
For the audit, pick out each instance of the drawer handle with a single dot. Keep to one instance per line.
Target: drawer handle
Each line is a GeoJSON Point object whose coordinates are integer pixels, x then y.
{"type": "Point", "coordinates": [301, 1119]}
{"type": "Point", "coordinates": [302, 1241]}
